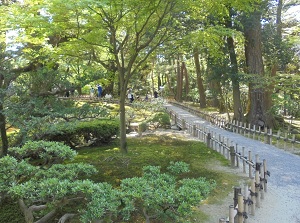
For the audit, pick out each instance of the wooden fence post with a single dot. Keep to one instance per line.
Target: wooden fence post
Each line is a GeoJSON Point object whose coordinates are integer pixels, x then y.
{"type": "Point", "coordinates": [277, 138]}
{"type": "Point", "coordinates": [237, 157]}
{"type": "Point", "coordinates": [265, 175]}
{"type": "Point", "coordinates": [183, 124]}
{"type": "Point", "coordinates": [257, 186]}
{"type": "Point", "coordinates": [228, 145]}
{"type": "Point", "coordinates": [253, 195]}
{"type": "Point", "coordinates": [220, 143]}
{"type": "Point", "coordinates": [293, 141]}
{"type": "Point", "coordinates": [250, 166]}
{"type": "Point", "coordinates": [285, 139]}
{"type": "Point", "coordinates": [266, 136]}
{"type": "Point", "coordinates": [208, 137]}
{"type": "Point", "coordinates": [223, 145]}
{"type": "Point", "coordinates": [244, 161]}
{"type": "Point", "coordinates": [246, 199]}
{"type": "Point", "coordinates": [175, 119]}
{"type": "Point", "coordinates": [194, 130]}
{"type": "Point", "coordinates": [240, 208]}
{"type": "Point", "coordinates": [237, 191]}
{"type": "Point", "coordinates": [259, 133]}
{"type": "Point", "coordinates": [232, 156]}
{"type": "Point", "coordinates": [232, 212]}
{"type": "Point", "coordinates": [249, 131]}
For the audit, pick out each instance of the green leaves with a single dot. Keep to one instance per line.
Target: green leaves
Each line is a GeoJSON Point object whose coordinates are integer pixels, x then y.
{"type": "Point", "coordinates": [159, 195]}
{"type": "Point", "coordinates": [13, 172]}
{"type": "Point", "coordinates": [67, 171]}
{"type": "Point", "coordinates": [48, 151]}
{"type": "Point", "coordinates": [155, 194]}
{"type": "Point", "coordinates": [104, 201]}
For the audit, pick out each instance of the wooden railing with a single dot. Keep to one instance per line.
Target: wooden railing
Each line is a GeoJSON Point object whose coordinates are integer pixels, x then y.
{"type": "Point", "coordinates": [279, 139]}
{"type": "Point", "coordinates": [246, 202]}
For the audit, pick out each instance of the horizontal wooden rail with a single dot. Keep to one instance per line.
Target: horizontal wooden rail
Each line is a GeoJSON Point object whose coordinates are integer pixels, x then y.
{"type": "Point", "coordinates": [257, 171]}
{"type": "Point", "coordinates": [246, 129]}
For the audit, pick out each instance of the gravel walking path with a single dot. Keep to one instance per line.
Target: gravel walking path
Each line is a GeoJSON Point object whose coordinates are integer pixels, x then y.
{"type": "Point", "coordinates": [282, 199]}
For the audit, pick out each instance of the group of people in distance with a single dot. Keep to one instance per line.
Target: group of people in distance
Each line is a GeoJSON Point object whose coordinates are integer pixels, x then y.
{"type": "Point", "coordinates": [131, 98]}
{"type": "Point", "coordinates": [130, 94]}
{"type": "Point", "coordinates": [99, 91]}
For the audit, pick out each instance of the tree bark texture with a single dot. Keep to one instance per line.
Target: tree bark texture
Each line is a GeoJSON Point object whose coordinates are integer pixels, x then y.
{"type": "Point", "coordinates": [179, 82]}
{"type": "Point", "coordinates": [201, 89]}
{"type": "Point", "coordinates": [186, 78]}
{"type": "Point", "coordinates": [4, 140]}
{"type": "Point", "coordinates": [123, 94]}
{"type": "Point", "coordinates": [259, 99]}
{"type": "Point", "coordinates": [237, 107]}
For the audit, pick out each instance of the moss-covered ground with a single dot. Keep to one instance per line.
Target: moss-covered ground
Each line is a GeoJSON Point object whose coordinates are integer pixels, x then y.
{"type": "Point", "coordinates": [147, 150]}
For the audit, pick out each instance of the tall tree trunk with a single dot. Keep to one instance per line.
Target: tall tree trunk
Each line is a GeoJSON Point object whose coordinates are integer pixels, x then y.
{"type": "Point", "coordinates": [159, 84]}
{"type": "Point", "coordinates": [215, 88]}
{"type": "Point", "coordinates": [170, 79]}
{"type": "Point", "coordinates": [259, 99]}
{"type": "Point", "coordinates": [237, 107]}
{"type": "Point", "coordinates": [4, 140]}
{"type": "Point", "coordinates": [186, 77]}
{"type": "Point", "coordinates": [200, 85]}
{"type": "Point", "coordinates": [278, 19]}
{"type": "Point", "coordinates": [152, 77]}
{"type": "Point", "coordinates": [179, 82]}
{"type": "Point", "coordinates": [123, 96]}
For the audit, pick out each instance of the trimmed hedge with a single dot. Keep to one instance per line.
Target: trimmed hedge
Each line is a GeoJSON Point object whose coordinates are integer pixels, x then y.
{"type": "Point", "coordinates": [160, 119]}
{"type": "Point", "coordinates": [93, 132]}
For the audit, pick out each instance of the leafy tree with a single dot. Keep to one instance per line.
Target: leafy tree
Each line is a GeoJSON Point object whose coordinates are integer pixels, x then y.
{"type": "Point", "coordinates": [131, 31]}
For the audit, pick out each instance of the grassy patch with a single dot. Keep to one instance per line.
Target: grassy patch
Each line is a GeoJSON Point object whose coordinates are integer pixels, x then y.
{"type": "Point", "coordinates": [159, 151]}
{"type": "Point", "coordinates": [10, 212]}
{"type": "Point", "coordinates": [148, 150]}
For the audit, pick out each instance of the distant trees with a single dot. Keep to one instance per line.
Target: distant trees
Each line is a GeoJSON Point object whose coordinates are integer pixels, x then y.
{"type": "Point", "coordinates": [196, 50]}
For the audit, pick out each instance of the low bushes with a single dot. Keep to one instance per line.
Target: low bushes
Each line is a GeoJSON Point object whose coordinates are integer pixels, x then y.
{"type": "Point", "coordinates": [48, 190]}
{"type": "Point", "coordinates": [74, 134]}
{"type": "Point", "coordinates": [160, 119]}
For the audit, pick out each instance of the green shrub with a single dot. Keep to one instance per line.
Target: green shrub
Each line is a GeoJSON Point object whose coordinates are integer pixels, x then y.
{"type": "Point", "coordinates": [143, 126]}
{"type": "Point", "coordinates": [93, 132]}
{"type": "Point", "coordinates": [161, 119]}
{"type": "Point", "coordinates": [161, 195]}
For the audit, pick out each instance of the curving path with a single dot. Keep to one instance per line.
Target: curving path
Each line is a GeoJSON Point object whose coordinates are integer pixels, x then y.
{"type": "Point", "coordinates": [282, 200]}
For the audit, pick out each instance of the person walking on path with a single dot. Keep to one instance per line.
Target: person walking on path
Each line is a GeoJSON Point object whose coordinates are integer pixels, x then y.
{"type": "Point", "coordinates": [99, 89]}
{"type": "Point", "coordinates": [92, 92]}
{"type": "Point", "coordinates": [155, 94]}
{"type": "Point", "coordinates": [130, 95]}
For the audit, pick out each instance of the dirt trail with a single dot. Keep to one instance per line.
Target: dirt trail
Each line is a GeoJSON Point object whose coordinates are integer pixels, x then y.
{"type": "Point", "coordinates": [282, 200]}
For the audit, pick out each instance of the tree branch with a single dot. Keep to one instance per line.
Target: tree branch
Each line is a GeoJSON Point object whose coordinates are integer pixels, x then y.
{"type": "Point", "coordinates": [66, 217]}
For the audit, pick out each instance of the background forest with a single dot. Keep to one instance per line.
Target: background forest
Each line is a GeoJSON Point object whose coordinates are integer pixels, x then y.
{"type": "Point", "coordinates": [237, 56]}
{"type": "Point", "coordinates": [240, 57]}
